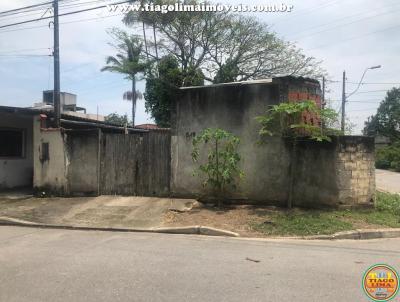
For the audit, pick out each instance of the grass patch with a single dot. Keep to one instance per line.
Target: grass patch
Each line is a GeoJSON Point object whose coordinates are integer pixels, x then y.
{"type": "Point", "coordinates": [302, 223]}
{"type": "Point", "coordinates": [388, 202]}
{"type": "Point", "coordinates": [317, 222]}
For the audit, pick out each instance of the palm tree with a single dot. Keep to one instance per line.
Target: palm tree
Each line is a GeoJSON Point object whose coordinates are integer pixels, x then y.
{"type": "Point", "coordinates": [128, 61]}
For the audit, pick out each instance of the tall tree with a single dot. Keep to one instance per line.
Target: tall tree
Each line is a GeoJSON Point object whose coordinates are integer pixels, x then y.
{"type": "Point", "coordinates": [226, 47]}
{"type": "Point", "coordinates": [117, 119]}
{"type": "Point", "coordinates": [245, 49]}
{"type": "Point", "coordinates": [184, 35]}
{"type": "Point", "coordinates": [386, 121]}
{"type": "Point", "coordinates": [128, 61]}
{"type": "Point", "coordinates": [162, 87]}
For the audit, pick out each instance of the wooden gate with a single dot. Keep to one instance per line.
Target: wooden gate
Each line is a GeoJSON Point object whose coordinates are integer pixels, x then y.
{"type": "Point", "coordinates": [135, 164]}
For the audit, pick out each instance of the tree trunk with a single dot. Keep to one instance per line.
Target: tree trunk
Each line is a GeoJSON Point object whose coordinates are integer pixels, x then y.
{"type": "Point", "coordinates": [293, 160]}
{"type": "Point", "coordinates": [155, 41]}
{"type": "Point", "coordinates": [133, 101]}
{"type": "Point", "coordinates": [145, 41]}
{"type": "Point", "coordinates": [219, 193]}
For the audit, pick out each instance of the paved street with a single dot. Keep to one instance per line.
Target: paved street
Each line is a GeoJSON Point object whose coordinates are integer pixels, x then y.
{"type": "Point", "coordinates": [387, 181]}
{"type": "Point", "coordinates": [63, 265]}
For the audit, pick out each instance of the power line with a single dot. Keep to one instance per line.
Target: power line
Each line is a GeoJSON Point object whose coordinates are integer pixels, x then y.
{"type": "Point", "coordinates": [360, 101]}
{"type": "Point", "coordinates": [23, 56]}
{"type": "Point", "coordinates": [38, 7]}
{"type": "Point", "coordinates": [372, 91]}
{"type": "Point", "coordinates": [373, 101]}
{"type": "Point", "coordinates": [67, 22]}
{"type": "Point", "coordinates": [24, 14]}
{"type": "Point", "coordinates": [25, 7]}
{"type": "Point", "coordinates": [344, 24]}
{"type": "Point", "coordinates": [82, 3]}
{"type": "Point", "coordinates": [375, 83]}
{"type": "Point", "coordinates": [22, 50]}
{"type": "Point", "coordinates": [359, 110]}
{"type": "Point", "coordinates": [63, 14]}
{"type": "Point", "coordinates": [354, 37]}
{"type": "Point", "coordinates": [307, 11]}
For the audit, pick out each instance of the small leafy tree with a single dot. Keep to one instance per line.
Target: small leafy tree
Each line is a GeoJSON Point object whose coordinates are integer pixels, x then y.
{"type": "Point", "coordinates": [386, 121]}
{"type": "Point", "coordinates": [222, 166]}
{"type": "Point", "coordinates": [117, 119]}
{"type": "Point", "coordinates": [286, 120]}
{"type": "Point", "coordinates": [389, 157]}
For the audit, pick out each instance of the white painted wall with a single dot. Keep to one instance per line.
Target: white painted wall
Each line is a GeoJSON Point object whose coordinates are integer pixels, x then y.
{"type": "Point", "coordinates": [52, 173]}
{"type": "Point", "coordinates": [17, 172]}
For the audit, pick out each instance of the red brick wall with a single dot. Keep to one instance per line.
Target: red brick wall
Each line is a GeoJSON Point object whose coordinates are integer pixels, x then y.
{"type": "Point", "coordinates": [304, 93]}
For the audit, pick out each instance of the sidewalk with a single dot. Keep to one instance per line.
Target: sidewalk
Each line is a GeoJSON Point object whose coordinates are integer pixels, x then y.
{"type": "Point", "coordinates": [387, 181]}
{"type": "Point", "coordinates": [102, 211]}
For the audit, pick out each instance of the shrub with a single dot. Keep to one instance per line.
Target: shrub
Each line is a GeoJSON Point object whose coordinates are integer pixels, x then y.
{"type": "Point", "coordinates": [222, 166]}
{"type": "Point", "coordinates": [388, 202]}
{"type": "Point", "coordinates": [388, 157]}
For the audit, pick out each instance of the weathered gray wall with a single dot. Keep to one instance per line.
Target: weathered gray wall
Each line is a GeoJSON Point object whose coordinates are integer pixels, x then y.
{"type": "Point", "coordinates": [88, 162]}
{"type": "Point", "coordinates": [50, 174]}
{"type": "Point", "coordinates": [82, 147]}
{"type": "Point", "coordinates": [233, 107]}
{"type": "Point", "coordinates": [17, 172]}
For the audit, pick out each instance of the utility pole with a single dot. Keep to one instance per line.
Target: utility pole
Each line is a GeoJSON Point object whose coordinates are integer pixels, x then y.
{"type": "Point", "coordinates": [56, 54]}
{"type": "Point", "coordinates": [323, 93]}
{"type": "Point", "coordinates": [343, 101]}
{"type": "Point", "coordinates": [345, 97]}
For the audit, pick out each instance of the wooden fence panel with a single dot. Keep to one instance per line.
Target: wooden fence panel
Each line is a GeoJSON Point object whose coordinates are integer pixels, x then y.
{"type": "Point", "coordinates": [135, 164]}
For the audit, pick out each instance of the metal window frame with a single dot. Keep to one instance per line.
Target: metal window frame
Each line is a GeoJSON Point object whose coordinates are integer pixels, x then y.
{"type": "Point", "coordinates": [23, 149]}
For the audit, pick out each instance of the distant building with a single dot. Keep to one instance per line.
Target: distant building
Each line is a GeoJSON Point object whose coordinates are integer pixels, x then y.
{"type": "Point", "coordinates": [147, 126]}
{"type": "Point", "coordinates": [68, 105]}
{"type": "Point", "coordinates": [31, 151]}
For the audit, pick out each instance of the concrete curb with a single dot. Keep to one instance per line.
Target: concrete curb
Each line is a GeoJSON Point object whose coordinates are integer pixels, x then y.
{"type": "Point", "coordinates": [190, 230]}
{"type": "Point", "coordinates": [198, 229]}
{"type": "Point", "coordinates": [360, 234]}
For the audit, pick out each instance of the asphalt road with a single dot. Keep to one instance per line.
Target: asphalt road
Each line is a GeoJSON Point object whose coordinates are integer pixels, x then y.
{"type": "Point", "coordinates": [388, 181]}
{"type": "Point", "coordinates": [64, 265]}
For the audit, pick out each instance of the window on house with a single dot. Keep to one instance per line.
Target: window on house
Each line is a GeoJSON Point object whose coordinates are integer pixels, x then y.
{"type": "Point", "coordinates": [11, 142]}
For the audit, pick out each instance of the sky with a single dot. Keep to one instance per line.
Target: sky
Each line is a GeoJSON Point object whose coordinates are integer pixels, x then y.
{"type": "Point", "coordinates": [345, 35]}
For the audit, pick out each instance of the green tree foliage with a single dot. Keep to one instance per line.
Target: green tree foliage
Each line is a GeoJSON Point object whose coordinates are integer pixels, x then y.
{"type": "Point", "coordinates": [222, 166]}
{"type": "Point", "coordinates": [162, 87]}
{"type": "Point", "coordinates": [246, 49]}
{"type": "Point", "coordinates": [389, 157]}
{"type": "Point", "coordinates": [285, 120]}
{"type": "Point", "coordinates": [115, 118]}
{"type": "Point", "coordinates": [128, 61]}
{"type": "Point", "coordinates": [224, 46]}
{"type": "Point", "coordinates": [227, 72]}
{"type": "Point", "coordinates": [386, 121]}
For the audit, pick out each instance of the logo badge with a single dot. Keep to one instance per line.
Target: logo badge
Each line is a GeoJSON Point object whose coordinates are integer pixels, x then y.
{"type": "Point", "coordinates": [381, 282]}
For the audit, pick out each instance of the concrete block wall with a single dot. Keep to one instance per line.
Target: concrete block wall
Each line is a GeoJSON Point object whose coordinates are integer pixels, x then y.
{"type": "Point", "coordinates": [340, 173]}
{"type": "Point", "coordinates": [333, 174]}
{"type": "Point", "coordinates": [356, 170]}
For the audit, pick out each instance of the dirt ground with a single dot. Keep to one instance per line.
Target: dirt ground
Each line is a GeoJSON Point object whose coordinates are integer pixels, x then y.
{"type": "Point", "coordinates": [242, 219]}
{"type": "Point", "coordinates": [102, 211]}
{"type": "Point", "coordinates": [232, 218]}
